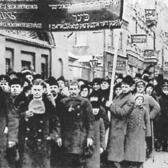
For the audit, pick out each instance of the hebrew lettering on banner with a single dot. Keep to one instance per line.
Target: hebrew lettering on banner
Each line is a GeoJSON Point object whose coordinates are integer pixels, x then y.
{"type": "Point", "coordinates": [61, 15]}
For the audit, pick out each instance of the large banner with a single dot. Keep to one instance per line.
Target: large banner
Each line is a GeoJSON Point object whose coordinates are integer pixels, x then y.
{"type": "Point", "coordinates": [61, 15]}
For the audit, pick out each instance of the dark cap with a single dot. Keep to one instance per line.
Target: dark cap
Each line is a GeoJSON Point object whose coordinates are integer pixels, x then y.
{"type": "Point", "coordinates": [138, 75]}
{"type": "Point", "coordinates": [52, 81]}
{"type": "Point", "coordinates": [16, 81]}
{"type": "Point", "coordinates": [150, 85]}
{"type": "Point", "coordinates": [85, 86]}
{"type": "Point", "coordinates": [4, 78]}
{"type": "Point", "coordinates": [165, 83]}
{"type": "Point", "coordinates": [128, 80]}
{"type": "Point", "coordinates": [61, 78]}
{"type": "Point", "coordinates": [96, 80]}
{"type": "Point", "coordinates": [106, 80]}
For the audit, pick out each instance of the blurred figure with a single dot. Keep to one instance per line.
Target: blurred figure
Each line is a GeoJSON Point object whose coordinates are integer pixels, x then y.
{"type": "Point", "coordinates": [63, 88]}
{"type": "Point", "coordinates": [163, 119]}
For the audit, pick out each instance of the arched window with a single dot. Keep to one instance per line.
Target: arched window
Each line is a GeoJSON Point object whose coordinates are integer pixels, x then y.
{"type": "Point", "coordinates": [60, 67]}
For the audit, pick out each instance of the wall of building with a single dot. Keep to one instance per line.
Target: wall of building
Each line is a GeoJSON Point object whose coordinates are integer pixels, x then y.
{"type": "Point", "coordinates": [16, 53]}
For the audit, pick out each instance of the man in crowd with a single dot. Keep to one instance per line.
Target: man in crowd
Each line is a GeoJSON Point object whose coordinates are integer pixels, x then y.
{"type": "Point", "coordinates": [76, 127]}
{"type": "Point", "coordinates": [8, 128]}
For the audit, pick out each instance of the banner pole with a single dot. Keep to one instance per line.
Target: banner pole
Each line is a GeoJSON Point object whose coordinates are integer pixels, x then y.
{"type": "Point", "coordinates": [113, 78]}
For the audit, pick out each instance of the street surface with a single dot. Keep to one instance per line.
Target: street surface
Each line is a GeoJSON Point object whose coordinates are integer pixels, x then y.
{"type": "Point", "coordinates": [160, 161]}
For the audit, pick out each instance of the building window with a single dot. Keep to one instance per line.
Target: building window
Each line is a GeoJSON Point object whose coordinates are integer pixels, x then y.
{"type": "Point", "coordinates": [44, 66]}
{"type": "Point", "coordinates": [60, 67]}
{"type": "Point", "coordinates": [28, 60]}
{"type": "Point", "coordinates": [8, 65]}
{"type": "Point", "coordinates": [121, 41]}
{"type": "Point", "coordinates": [9, 54]}
{"type": "Point", "coordinates": [26, 65]}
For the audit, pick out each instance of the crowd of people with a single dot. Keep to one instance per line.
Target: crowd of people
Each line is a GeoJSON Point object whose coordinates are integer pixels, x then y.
{"type": "Point", "coordinates": [59, 124]}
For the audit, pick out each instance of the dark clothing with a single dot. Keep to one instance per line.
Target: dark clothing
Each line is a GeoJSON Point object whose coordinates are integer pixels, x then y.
{"type": "Point", "coordinates": [8, 118]}
{"type": "Point", "coordinates": [98, 100]}
{"type": "Point", "coordinates": [99, 141]}
{"type": "Point", "coordinates": [33, 133]}
{"type": "Point", "coordinates": [161, 123]}
{"type": "Point", "coordinates": [77, 124]}
{"type": "Point", "coordinates": [55, 149]}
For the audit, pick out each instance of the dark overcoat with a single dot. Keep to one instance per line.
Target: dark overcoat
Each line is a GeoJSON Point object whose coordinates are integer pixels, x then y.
{"type": "Point", "coordinates": [138, 128]}
{"type": "Point", "coordinates": [99, 141]}
{"type": "Point", "coordinates": [8, 118]}
{"type": "Point", "coordinates": [77, 124]}
{"type": "Point", "coordinates": [120, 109]}
{"type": "Point", "coordinates": [34, 131]}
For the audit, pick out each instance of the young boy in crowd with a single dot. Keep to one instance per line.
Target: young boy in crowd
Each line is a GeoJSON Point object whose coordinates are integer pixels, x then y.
{"type": "Point", "coordinates": [137, 129]}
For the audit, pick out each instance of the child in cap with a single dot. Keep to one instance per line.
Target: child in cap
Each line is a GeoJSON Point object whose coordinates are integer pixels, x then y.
{"type": "Point", "coordinates": [137, 129]}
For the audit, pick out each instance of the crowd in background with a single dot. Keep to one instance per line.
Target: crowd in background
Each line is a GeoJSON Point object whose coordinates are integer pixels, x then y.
{"type": "Point", "coordinates": [67, 124]}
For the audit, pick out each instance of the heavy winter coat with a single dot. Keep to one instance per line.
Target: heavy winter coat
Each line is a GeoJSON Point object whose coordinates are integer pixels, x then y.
{"type": "Point", "coordinates": [120, 109]}
{"type": "Point", "coordinates": [152, 106]}
{"type": "Point", "coordinates": [162, 120]}
{"type": "Point", "coordinates": [77, 123]}
{"type": "Point", "coordinates": [33, 135]}
{"type": "Point", "coordinates": [138, 128]}
{"type": "Point", "coordinates": [99, 141]}
{"type": "Point", "coordinates": [8, 118]}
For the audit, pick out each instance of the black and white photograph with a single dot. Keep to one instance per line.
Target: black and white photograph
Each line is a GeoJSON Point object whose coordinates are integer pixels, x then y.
{"type": "Point", "coordinates": [83, 83]}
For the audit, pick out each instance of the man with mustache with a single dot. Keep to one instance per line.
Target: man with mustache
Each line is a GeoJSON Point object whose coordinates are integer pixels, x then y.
{"type": "Point", "coordinates": [57, 96]}
{"type": "Point", "coordinates": [77, 129]}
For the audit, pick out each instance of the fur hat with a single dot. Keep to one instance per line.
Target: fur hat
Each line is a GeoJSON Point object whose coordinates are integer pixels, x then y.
{"type": "Point", "coordinates": [52, 81]}
{"type": "Point", "coordinates": [4, 78]}
{"type": "Point", "coordinates": [96, 80]}
{"type": "Point", "coordinates": [61, 78]}
{"type": "Point", "coordinates": [128, 80]}
{"type": "Point", "coordinates": [16, 81]}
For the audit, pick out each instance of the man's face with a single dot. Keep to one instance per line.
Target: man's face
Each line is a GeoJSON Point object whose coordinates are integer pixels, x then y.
{"type": "Point", "coordinates": [149, 90]}
{"type": "Point", "coordinates": [95, 111]}
{"type": "Point", "coordinates": [139, 101]}
{"type": "Point", "coordinates": [165, 90]}
{"type": "Point", "coordinates": [74, 90]}
{"type": "Point", "coordinates": [54, 89]}
{"type": "Point", "coordinates": [16, 89]}
{"type": "Point", "coordinates": [140, 88]}
{"type": "Point", "coordinates": [104, 85]}
{"type": "Point", "coordinates": [84, 92]}
{"type": "Point", "coordinates": [5, 86]}
{"type": "Point", "coordinates": [96, 86]}
{"type": "Point", "coordinates": [29, 77]}
{"type": "Point", "coordinates": [118, 91]}
{"type": "Point", "coordinates": [118, 80]}
{"type": "Point", "coordinates": [37, 91]}
{"type": "Point", "coordinates": [125, 88]}
{"type": "Point", "coordinates": [61, 84]}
